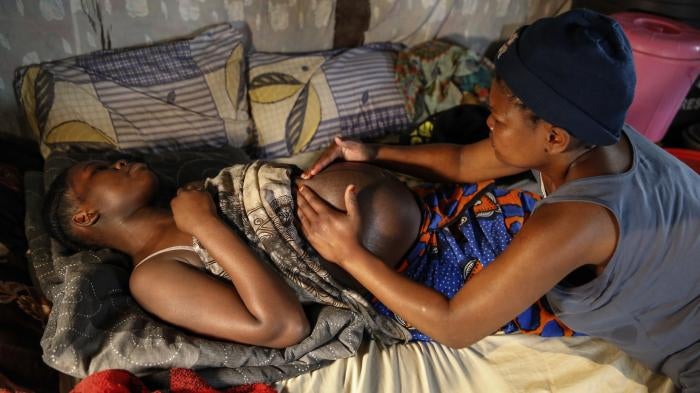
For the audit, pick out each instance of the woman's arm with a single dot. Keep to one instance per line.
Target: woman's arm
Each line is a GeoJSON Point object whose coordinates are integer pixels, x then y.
{"type": "Point", "coordinates": [440, 162]}
{"type": "Point", "coordinates": [445, 162]}
{"type": "Point", "coordinates": [260, 308]}
{"type": "Point", "coordinates": [556, 239]}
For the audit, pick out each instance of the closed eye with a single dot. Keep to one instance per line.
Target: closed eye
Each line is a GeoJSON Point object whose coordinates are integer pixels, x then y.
{"type": "Point", "coordinates": [103, 167]}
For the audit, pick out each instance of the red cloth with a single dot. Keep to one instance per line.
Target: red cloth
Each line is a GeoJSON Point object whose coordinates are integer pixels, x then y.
{"type": "Point", "coordinates": [182, 380]}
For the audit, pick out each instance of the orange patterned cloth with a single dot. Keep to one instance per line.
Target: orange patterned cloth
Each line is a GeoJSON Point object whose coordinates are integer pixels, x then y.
{"type": "Point", "coordinates": [464, 228]}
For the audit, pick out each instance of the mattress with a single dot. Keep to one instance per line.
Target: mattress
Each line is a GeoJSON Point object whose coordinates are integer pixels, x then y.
{"type": "Point", "coordinates": [498, 363]}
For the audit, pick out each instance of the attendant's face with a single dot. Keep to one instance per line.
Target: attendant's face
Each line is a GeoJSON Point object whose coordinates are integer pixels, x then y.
{"type": "Point", "coordinates": [516, 139]}
{"type": "Point", "coordinates": [111, 190]}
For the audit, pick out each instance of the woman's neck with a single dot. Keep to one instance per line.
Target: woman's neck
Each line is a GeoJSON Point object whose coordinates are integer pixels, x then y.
{"type": "Point", "coordinates": [595, 161]}
{"type": "Point", "coordinates": [146, 231]}
{"type": "Point", "coordinates": [565, 169]}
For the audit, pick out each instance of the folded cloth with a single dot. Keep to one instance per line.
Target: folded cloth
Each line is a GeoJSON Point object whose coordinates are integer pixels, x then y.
{"type": "Point", "coordinates": [464, 228]}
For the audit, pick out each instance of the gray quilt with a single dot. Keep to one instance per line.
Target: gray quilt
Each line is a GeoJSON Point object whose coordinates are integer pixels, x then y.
{"type": "Point", "coordinates": [95, 324]}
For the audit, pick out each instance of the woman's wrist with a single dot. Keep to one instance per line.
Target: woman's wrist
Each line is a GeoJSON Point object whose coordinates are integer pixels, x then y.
{"type": "Point", "coordinates": [206, 225]}
{"type": "Point", "coordinates": [354, 257]}
{"type": "Point", "coordinates": [373, 151]}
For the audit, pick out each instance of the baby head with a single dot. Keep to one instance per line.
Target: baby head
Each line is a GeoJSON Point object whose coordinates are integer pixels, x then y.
{"type": "Point", "coordinates": [390, 213]}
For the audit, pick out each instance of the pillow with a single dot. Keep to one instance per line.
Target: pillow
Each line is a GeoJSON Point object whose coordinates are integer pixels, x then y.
{"type": "Point", "coordinates": [184, 94]}
{"type": "Point", "coordinates": [300, 102]}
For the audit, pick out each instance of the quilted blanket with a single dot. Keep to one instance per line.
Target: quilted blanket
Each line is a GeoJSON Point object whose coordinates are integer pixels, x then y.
{"type": "Point", "coordinates": [95, 323]}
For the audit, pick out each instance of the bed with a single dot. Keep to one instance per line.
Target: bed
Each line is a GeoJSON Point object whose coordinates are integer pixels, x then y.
{"type": "Point", "coordinates": [498, 363]}
{"type": "Point", "coordinates": [277, 107]}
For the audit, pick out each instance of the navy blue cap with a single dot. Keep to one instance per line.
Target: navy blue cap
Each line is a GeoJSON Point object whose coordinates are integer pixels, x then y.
{"type": "Point", "coordinates": [575, 71]}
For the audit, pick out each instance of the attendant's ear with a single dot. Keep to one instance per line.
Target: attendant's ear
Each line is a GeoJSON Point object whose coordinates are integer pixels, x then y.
{"type": "Point", "coordinates": [558, 139]}
{"type": "Point", "coordinates": [85, 218]}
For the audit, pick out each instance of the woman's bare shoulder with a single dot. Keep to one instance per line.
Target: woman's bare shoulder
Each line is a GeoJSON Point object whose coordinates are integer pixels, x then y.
{"type": "Point", "coordinates": [585, 231]}
{"type": "Point", "coordinates": [160, 272]}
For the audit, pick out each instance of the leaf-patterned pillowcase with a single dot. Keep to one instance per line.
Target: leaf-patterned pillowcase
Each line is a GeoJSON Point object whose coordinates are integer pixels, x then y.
{"type": "Point", "coordinates": [300, 102]}
{"type": "Point", "coordinates": [171, 96]}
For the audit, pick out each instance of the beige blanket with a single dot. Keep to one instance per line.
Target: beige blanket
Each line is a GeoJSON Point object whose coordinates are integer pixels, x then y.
{"type": "Point", "coordinates": [513, 363]}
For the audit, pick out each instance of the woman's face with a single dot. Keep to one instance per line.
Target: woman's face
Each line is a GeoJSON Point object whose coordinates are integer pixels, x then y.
{"type": "Point", "coordinates": [515, 137]}
{"type": "Point", "coordinates": [115, 189]}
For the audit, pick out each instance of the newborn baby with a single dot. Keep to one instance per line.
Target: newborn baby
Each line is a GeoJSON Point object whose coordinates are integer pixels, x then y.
{"type": "Point", "coordinates": [389, 211]}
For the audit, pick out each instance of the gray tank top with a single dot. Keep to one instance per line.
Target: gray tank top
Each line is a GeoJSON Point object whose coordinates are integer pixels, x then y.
{"type": "Point", "coordinates": [647, 299]}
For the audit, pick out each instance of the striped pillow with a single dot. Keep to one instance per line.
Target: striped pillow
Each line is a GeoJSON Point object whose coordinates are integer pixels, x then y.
{"type": "Point", "coordinates": [172, 96]}
{"type": "Point", "coordinates": [300, 102]}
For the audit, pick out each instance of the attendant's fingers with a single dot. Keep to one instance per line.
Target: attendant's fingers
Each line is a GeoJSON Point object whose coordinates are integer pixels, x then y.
{"type": "Point", "coordinates": [331, 154]}
{"type": "Point", "coordinates": [304, 222]}
{"type": "Point", "coordinates": [342, 144]}
{"type": "Point", "coordinates": [303, 206]}
{"type": "Point", "coordinates": [321, 163]}
{"type": "Point", "coordinates": [319, 205]}
{"type": "Point", "coordinates": [307, 228]}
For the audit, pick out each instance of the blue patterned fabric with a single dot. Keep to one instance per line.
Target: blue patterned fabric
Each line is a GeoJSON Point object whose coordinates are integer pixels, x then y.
{"type": "Point", "coordinates": [464, 228]}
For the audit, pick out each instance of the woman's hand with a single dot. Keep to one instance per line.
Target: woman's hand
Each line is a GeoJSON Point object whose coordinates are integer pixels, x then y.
{"type": "Point", "coordinates": [344, 149]}
{"type": "Point", "coordinates": [192, 207]}
{"type": "Point", "coordinates": [334, 234]}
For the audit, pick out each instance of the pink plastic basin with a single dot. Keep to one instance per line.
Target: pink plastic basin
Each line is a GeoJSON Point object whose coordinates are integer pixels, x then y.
{"type": "Point", "coordinates": [667, 62]}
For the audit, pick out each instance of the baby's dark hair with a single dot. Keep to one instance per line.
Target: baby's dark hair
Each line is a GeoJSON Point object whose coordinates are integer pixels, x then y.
{"type": "Point", "coordinates": [57, 213]}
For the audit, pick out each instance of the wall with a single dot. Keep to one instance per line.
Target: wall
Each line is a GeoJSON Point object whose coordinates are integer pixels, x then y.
{"type": "Point", "coordinates": [33, 31]}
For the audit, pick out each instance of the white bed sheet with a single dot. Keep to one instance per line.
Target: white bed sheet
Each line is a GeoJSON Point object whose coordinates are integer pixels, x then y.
{"type": "Point", "coordinates": [499, 363]}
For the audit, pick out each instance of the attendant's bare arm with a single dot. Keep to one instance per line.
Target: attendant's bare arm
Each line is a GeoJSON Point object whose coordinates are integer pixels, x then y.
{"type": "Point", "coordinates": [557, 239]}
{"type": "Point", "coordinates": [439, 162]}
{"type": "Point", "coordinates": [445, 162]}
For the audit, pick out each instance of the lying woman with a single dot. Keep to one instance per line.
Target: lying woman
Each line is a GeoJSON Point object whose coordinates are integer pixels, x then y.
{"type": "Point", "coordinates": [98, 204]}
{"type": "Point", "coordinates": [439, 237]}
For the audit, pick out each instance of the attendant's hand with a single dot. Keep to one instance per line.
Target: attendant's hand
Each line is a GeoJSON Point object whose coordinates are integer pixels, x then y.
{"type": "Point", "coordinates": [341, 149]}
{"type": "Point", "coordinates": [334, 234]}
{"type": "Point", "coordinates": [192, 207]}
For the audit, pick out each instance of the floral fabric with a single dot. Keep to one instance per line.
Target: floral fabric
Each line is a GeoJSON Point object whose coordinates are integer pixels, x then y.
{"type": "Point", "coordinates": [436, 75]}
